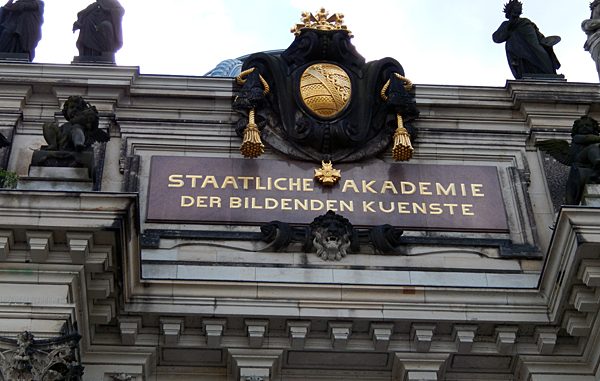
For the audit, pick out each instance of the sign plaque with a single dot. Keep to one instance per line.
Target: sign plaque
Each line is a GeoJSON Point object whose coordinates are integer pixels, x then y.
{"type": "Point", "coordinates": [409, 196]}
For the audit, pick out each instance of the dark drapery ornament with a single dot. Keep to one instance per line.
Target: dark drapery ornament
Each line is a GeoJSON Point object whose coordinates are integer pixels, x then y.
{"type": "Point", "coordinates": [529, 52]}
{"type": "Point", "coordinates": [21, 28]}
{"type": "Point", "coordinates": [28, 359]}
{"type": "Point", "coordinates": [325, 102]}
{"type": "Point", "coordinates": [100, 32]}
{"type": "Point", "coordinates": [582, 155]}
{"type": "Point", "coordinates": [332, 236]}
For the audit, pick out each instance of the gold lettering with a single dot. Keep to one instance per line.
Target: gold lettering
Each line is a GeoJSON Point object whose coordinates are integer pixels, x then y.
{"type": "Point", "coordinates": [300, 204]}
{"type": "Point", "coordinates": [258, 185]}
{"type": "Point", "coordinates": [451, 207]}
{"type": "Point", "coordinates": [307, 185]}
{"type": "Point", "coordinates": [295, 185]}
{"type": "Point", "coordinates": [317, 205]}
{"type": "Point", "coordinates": [194, 178]}
{"type": "Point", "coordinates": [210, 180]}
{"type": "Point", "coordinates": [279, 187]}
{"type": "Point", "coordinates": [229, 180]}
{"type": "Point", "coordinates": [201, 201]}
{"type": "Point", "coordinates": [366, 186]}
{"type": "Point", "coordinates": [403, 187]}
{"type": "Point", "coordinates": [285, 204]}
{"type": "Point", "coordinates": [215, 202]}
{"type": "Point", "coordinates": [350, 184]}
{"type": "Point", "coordinates": [255, 205]}
{"type": "Point", "coordinates": [368, 206]}
{"type": "Point", "coordinates": [435, 209]}
{"type": "Point", "coordinates": [389, 210]}
{"type": "Point", "coordinates": [346, 207]}
{"type": "Point", "coordinates": [467, 210]}
{"type": "Point", "coordinates": [331, 205]}
{"type": "Point", "coordinates": [187, 201]}
{"type": "Point", "coordinates": [463, 189]}
{"type": "Point", "coordinates": [402, 208]}
{"type": "Point", "coordinates": [235, 202]}
{"type": "Point", "coordinates": [476, 190]}
{"type": "Point", "coordinates": [246, 181]}
{"type": "Point", "coordinates": [421, 208]}
{"type": "Point", "coordinates": [450, 191]}
{"type": "Point", "coordinates": [271, 203]}
{"type": "Point", "coordinates": [424, 189]}
{"type": "Point", "coordinates": [388, 185]}
{"type": "Point", "coordinates": [175, 181]}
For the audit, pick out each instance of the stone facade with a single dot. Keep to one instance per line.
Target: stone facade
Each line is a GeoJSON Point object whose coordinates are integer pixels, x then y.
{"type": "Point", "coordinates": [182, 301]}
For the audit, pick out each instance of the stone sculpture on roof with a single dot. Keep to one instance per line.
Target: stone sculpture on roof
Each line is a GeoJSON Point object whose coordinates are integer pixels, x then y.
{"type": "Point", "coordinates": [21, 27]}
{"type": "Point", "coordinates": [591, 27]}
{"type": "Point", "coordinates": [528, 51]}
{"type": "Point", "coordinates": [100, 33]}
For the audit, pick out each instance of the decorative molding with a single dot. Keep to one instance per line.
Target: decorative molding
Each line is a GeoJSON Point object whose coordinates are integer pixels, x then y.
{"type": "Point", "coordinates": [545, 339]}
{"type": "Point", "coordinates": [339, 332]}
{"type": "Point", "coordinates": [464, 336]}
{"type": "Point", "coordinates": [80, 245]}
{"type": "Point", "coordinates": [422, 335]}
{"type": "Point", "coordinates": [256, 331]}
{"type": "Point", "coordinates": [298, 332]}
{"type": "Point", "coordinates": [129, 327]}
{"type": "Point", "coordinates": [214, 329]}
{"type": "Point", "coordinates": [39, 243]}
{"type": "Point", "coordinates": [171, 329]}
{"type": "Point", "coordinates": [381, 334]}
{"type": "Point", "coordinates": [506, 337]}
{"type": "Point", "coordinates": [7, 241]}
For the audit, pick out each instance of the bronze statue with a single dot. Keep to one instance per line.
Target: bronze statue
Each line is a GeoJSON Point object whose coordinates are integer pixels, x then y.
{"type": "Point", "coordinates": [591, 27]}
{"type": "Point", "coordinates": [583, 155]}
{"type": "Point", "coordinates": [527, 50]}
{"type": "Point", "coordinates": [21, 26]}
{"type": "Point", "coordinates": [99, 28]}
{"type": "Point", "coordinates": [80, 131]}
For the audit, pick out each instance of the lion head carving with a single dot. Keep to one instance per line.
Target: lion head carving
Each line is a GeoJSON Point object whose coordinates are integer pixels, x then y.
{"type": "Point", "coordinates": [332, 236]}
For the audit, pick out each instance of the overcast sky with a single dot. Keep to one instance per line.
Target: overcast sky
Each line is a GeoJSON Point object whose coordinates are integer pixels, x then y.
{"type": "Point", "coordinates": [436, 41]}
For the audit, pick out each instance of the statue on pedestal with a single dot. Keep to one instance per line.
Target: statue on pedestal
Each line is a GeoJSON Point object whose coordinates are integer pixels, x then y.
{"type": "Point", "coordinates": [591, 27]}
{"type": "Point", "coordinates": [100, 33]}
{"type": "Point", "coordinates": [70, 145]}
{"type": "Point", "coordinates": [583, 155]}
{"type": "Point", "coordinates": [529, 53]}
{"type": "Point", "coordinates": [21, 27]}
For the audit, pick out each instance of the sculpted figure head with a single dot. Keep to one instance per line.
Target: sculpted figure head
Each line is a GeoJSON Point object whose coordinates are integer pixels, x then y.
{"type": "Point", "coordinates": [73, 106]}
{"type": "Point", "coordinates": [585, 126]}
{"type": "Point", "coordinates": [332, 236]}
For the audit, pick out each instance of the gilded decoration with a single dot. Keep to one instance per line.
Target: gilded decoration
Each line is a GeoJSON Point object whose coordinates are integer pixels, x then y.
{"type": "Point", "coordinates": [327, 175]}
{"type": "Point", "coordinates": [319, 100]}
{"type": "Point", "coordinates": [325, 89]}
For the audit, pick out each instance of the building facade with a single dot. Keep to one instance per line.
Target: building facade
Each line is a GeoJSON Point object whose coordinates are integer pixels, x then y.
{"type": "Point", "coordinates": [208, 297]}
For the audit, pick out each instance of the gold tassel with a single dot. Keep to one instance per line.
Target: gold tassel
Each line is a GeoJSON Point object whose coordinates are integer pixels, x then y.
{"type": "Point", "coordinates": [403, 149]}
{"type": "Point", "coordinates": [252, 146]}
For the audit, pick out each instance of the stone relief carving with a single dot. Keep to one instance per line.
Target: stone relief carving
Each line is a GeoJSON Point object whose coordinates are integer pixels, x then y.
{"type": "Point", "coordinates": [331, 236]}
{"type": "Point", "coordinates": [29, 359]}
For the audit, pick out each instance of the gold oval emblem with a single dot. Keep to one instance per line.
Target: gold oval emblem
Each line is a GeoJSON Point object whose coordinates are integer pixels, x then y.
{"type": "Point", "coordinates": [325, 89]}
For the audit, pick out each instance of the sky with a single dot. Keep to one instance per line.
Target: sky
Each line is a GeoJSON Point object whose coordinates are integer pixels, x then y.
{"type": "Point", "coordinates": [436, 41]}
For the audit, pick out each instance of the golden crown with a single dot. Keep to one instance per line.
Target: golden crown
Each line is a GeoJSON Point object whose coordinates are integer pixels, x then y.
{"type": "Point", "coordinates": [321, 21]}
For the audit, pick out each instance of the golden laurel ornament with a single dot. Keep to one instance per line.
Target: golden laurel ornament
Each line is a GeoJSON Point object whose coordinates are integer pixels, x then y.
{"type": "Point", "coordinates": [325, 89]}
